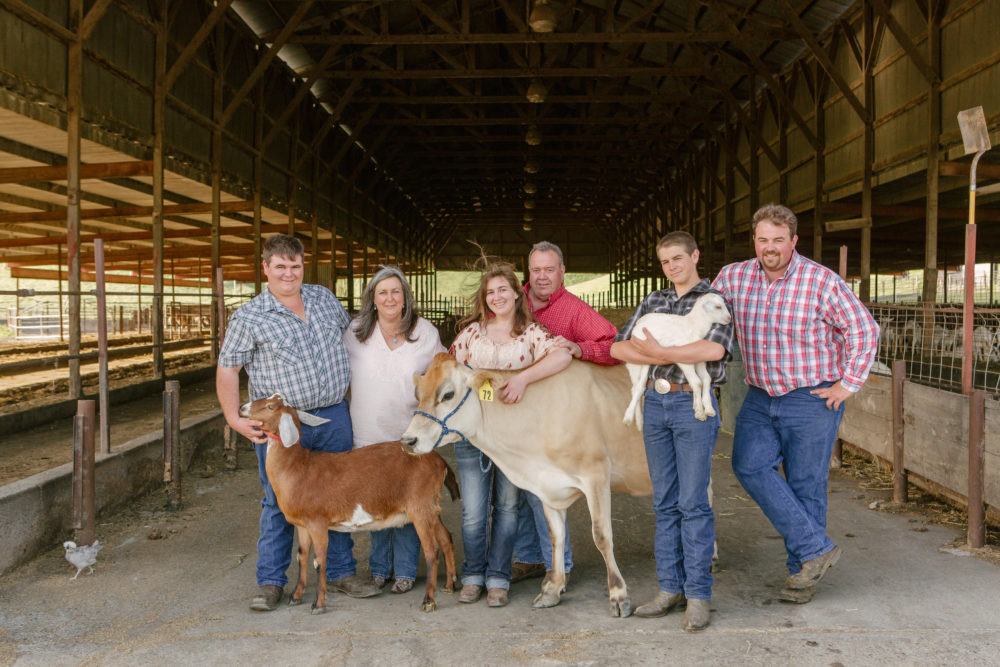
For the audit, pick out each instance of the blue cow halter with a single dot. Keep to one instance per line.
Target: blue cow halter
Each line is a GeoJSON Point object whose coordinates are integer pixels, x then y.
{"type": "Point", "coordinates": [444, 422]}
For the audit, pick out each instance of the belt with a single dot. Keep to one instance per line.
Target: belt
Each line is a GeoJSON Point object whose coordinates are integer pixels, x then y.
{"type": "Point", "coordinates": [660, 384]}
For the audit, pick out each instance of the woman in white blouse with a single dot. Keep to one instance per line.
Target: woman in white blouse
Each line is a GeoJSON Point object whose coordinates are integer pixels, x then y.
{"type": "Point", "coordinates": [500, 334]}
{"type": "Point", "coordinates": [390, 343]}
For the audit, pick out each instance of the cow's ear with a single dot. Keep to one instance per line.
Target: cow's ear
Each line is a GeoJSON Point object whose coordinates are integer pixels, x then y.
{"type": "Point", "coordinates": [477, 379]}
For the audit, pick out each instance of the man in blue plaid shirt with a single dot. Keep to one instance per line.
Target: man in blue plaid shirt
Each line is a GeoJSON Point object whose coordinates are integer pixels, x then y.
{"type": "Point", "coordinates": [290, 340]}
{"type": "Point", "coordinates": [679, 446]}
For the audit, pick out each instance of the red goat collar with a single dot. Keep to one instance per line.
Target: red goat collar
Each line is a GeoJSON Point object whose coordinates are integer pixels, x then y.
{"type": "Point", "coordinates": [274, 436]}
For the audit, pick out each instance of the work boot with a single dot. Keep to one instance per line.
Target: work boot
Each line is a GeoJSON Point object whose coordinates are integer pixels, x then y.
{"type": "Point", "coordinates": [797, 595]}
{"type": "Point", "coordinates": [521, 571]}
{"type": "Point", "coordinates": [267, 598]}
{"type": "Point", "coordinates": [402, 586]}
{"type": "Point", "coordinates": [356, 586]}
{"type": "Point", "coordinates": [496, 597]}
{"type": "Point", "coordinates": [813, 570]}
{"type": "Point", "coordinates": [696, 616]}
{"type": "Point", "coordinates": [660, 605]}
{"type": "Point", "coordinates": [470, 593]}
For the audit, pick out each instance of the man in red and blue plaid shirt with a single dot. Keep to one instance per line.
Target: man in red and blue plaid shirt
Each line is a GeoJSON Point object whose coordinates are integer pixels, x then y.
{"type": "Point", "coordinates": [588, 336]}
{"type": "Point", "coordinates": [808, 344]}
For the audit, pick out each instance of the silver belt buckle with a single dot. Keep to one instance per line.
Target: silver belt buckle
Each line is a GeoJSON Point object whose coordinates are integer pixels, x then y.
{"type": "Point", "coordinates": [661, 386]}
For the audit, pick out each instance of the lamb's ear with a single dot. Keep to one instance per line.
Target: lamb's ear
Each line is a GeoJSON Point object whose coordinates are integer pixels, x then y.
{"type": "Point", "coordinates": [311, 420]}
{"type": "Point", "coordinates": [287, 430]}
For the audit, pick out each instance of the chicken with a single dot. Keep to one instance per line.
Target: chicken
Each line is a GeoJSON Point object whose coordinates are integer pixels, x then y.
{"type": "Point", "coordinates": [81, 557]}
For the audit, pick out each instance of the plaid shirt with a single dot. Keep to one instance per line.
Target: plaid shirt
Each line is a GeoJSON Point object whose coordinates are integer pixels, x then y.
{"type": "Point", "coordinates": [567, 315]}
{"type": "Point", "coordinates": [667, 301]}
{"type": "Point", "coordinates": [805, 328]}
{"type": "Point", "coordinates": [305, 361]}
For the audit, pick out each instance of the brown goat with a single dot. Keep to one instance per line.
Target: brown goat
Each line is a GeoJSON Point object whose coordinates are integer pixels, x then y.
{"type": "Point", "coordinates": [371, 488]}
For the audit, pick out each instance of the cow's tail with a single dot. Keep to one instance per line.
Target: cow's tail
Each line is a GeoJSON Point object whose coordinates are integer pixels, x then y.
{"type": "Point", "coordinates": [449, 481]}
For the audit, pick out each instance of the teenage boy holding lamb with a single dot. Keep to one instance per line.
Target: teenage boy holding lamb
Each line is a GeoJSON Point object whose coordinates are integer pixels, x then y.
{"type": "Point", "coordinates": [678, 446]}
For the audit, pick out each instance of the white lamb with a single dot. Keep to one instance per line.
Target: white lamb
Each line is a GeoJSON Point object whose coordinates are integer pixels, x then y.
{"type": "Point", "coordinates": [670, 330]}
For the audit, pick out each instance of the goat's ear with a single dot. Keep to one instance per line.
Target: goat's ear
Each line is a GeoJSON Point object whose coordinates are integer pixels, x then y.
{"type": "Point", "coordinates": [311, 420]}
{"type": "Point", "coordinates": [287, 430]}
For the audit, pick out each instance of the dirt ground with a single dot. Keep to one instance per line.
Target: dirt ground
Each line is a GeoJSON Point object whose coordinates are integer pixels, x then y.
{"type": "Point", "coordinates": [50, 445]}
{"type": "Point", "coordinates": [173, 587]}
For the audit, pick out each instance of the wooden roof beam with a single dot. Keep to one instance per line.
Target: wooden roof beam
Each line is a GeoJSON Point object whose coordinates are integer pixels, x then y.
{"type": "Point", "coordinates": [87, 171]}
{"type": "Point", "coordinates": [265, 61]}
{"type": "Point", "coordinates": [191, 48]}
{"type": "Point", "coordinates": [823, 58]}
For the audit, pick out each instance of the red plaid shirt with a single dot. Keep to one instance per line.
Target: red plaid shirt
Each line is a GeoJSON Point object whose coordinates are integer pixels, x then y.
{"type": "Point", "coordinates": [805, 328]}
{"type": "Point", "coordinates": [567, 315]}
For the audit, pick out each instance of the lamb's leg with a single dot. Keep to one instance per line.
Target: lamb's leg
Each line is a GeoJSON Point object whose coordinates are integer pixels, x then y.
{"type": "Point", "coordinates": [706, 388]}
{"type": "Point", "coordinates": [696, 390]}
{"type": "Point", "coordinates": [637, 373]}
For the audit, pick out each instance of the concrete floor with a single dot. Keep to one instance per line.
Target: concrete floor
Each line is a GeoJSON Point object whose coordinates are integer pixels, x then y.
{"type": "Point", "coordinates": [898, 596]}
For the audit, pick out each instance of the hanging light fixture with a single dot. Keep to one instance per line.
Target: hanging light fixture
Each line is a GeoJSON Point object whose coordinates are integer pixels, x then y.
{"type": "Point", "coordinates": [542, 17]}
{"type": "Point", "coordinates": [529, 203]}
{"type": "Point", "coordinates": [533, 136]}
{"type": "Point", "coordinates": [528, 216]}
{"type": "Point", "coordinates": [530, 188]}
{"type": "Point", "coordinates": [526, 227]}
{"type": "Point", "coordinates": [531, 167]}
{"type": "Point", "coordinates": [536, 92]}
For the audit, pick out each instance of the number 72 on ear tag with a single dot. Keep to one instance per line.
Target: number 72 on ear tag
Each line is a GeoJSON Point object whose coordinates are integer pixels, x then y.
{"type": "Point", "coordinates": [486, 392]}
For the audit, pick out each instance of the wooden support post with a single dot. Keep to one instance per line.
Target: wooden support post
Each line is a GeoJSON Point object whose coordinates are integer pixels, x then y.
{"type": "Point", "coordinates": [929, 292]}
{"type": "Point", "coordinates": [83, 473]}
{"type": "Point", "coordinates": [159, 108]}
{"type": "Point", "coordinates": [977, 437]}
{"type": "Point", "coordinates": [258, 175]}
{"type": "Point", "coordinates": [899, 480]}
{"type": "Point", "coordinates": [74, 103]}
{"type": "Point", "coordinates": [102, 348]}
{"type": "Point", "coordinates": [216, 156]}
{"type": "Point", "coordinates": [172, 443]}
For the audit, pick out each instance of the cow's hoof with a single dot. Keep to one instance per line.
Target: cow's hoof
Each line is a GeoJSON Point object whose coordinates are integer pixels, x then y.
{"type": "Point", "coordinates": [317, 610]}
{"type": "Point", "coordinates": [545, 600]}
{"type": "Point", "coordinates": [293, 602]}
{"type": "Point", "coordinates": [429, 605]}
{"type": "Point", "coordinates": [621, 608]}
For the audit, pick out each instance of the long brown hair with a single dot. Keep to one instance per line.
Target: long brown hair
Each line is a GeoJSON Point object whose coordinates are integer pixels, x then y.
{"type": "Point", "coordinates": [481, 312]}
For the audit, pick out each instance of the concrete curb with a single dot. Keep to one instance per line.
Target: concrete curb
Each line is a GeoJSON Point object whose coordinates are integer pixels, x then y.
{"type": "Point", "coordinates": [36, 513]}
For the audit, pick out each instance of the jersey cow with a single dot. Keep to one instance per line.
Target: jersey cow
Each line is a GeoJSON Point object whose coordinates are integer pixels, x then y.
{"type": "Point", "coordinates": [564, 440]}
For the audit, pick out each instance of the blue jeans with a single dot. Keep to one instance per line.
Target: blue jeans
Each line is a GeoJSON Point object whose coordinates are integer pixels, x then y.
{"type": "Point", "coordinates": [274, 548]}
{"type": "Point", "coordinates": [533, 543]}
{"type": "Point", "coordinates": [679, 455]}
{"type": "Point", "coordinates": [487, 532]}
{"type": "Point", "coordinates": [793, 434]}
{"type": "Point", "coordinates": [395, 550]}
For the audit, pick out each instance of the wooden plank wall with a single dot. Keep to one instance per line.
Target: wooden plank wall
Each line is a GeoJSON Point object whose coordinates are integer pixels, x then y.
{"type": "Point", "coordinates": [935, 435]}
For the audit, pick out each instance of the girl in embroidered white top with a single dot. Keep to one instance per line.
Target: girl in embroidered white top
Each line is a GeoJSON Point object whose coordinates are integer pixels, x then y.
{"type": "Point", "coordinates": [500, 334]}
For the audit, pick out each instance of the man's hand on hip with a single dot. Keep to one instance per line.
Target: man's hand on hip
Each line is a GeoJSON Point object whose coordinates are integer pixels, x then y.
{"type": "Point", "coordinates": [835, 394]}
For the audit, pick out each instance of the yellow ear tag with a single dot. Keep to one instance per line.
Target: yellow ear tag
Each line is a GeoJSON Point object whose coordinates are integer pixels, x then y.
{"type": "Point", "coordinates": [486, 392]}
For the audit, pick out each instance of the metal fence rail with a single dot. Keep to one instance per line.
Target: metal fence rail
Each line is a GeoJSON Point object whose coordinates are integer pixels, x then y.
{"type": "Point", "coordinates": [928, 338]}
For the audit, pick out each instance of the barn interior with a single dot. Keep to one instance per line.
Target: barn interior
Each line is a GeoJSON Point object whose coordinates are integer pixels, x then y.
{"type": "Point", "coordinates": [177, 134]}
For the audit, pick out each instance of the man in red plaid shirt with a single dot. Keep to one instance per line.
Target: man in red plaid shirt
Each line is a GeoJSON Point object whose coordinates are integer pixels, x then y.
{"type": "Point", "coordinates": [588, 336]}
{"type": "Point", "coordinates": [808, 344]}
